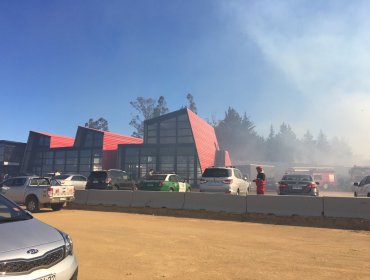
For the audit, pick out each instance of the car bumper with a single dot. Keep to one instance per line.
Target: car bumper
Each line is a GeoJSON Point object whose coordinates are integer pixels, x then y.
{"type": "Point", "coordinates": [67, 269]}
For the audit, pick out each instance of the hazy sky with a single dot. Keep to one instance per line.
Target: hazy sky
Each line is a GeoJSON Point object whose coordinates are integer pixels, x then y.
{"type": "Point", "coordinates": [306, 63]}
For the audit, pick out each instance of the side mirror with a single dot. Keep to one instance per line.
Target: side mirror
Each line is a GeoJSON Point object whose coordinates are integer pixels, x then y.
{"type": "Point", "coordinates": [245, 178]}
{"type": "Point", "coordinates": [356, 184]}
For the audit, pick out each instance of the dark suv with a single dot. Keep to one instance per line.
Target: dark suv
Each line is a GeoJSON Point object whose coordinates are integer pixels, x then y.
{"type": "Point", "coordinates": [112, 179]}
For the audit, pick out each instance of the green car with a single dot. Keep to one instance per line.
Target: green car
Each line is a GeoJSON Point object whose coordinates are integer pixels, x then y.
{"type": "Point", "coordinates": [164, 183]}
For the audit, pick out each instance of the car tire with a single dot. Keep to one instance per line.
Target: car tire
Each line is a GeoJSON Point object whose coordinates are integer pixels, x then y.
{"type": "Point", "coordinates": [355, 194]}
{"type": "Point", "coordinates": [170, 190]}
{"type": "Point", "coordinates": [114, 188]}
{"type": "Point", "coordinates": [368, 194]}
{"type": "Point", "coordinates": [56, 206]}
{"type": "Point", "coordinates": [238, 192]}
{"type": "Point", "coordinates": [32, 204]}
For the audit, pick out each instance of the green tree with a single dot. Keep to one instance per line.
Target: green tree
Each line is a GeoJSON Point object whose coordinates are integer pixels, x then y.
{"type": "Point", "coordinates": [192, 106]}
{"type": "Point", "coordinates": [146, 108]}
{"type": "Point", "coordinates": [100, 124]}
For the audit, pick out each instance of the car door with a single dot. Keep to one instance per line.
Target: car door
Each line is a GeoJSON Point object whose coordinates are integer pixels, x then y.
{"type": "Point", "coordinates": [174, 183]}
{"type": "Point", "coordinates": [361, 187]}
{"type": "Point", "coordinates": [182, 184]}
{"type": "Point", "coordinates": [366, 187]}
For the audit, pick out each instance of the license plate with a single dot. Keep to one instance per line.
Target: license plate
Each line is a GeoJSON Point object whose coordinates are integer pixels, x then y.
{"type": "Point", "coordinates": [62, 199]}
{"type": "Point", "coordinates": [48, 277]}
{"type": "Point", "coordinates": [297, 188]}
{"type": "Point", "coordinates": [95, 181]}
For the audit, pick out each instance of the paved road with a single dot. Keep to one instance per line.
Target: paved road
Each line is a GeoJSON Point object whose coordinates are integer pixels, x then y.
{"type": "Point", "coordinates": [112, 245]}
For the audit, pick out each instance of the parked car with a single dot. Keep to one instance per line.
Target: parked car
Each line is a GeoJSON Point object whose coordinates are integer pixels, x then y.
{"type": "Point", "coordinates": [30, 249]}
{"type": "Point", "coordinates": [165, 182]}
{"type": "Point", "coordinates": [298, 184]}
{"type": "Point", "coordinates": [36, 192]}
{"type": "Point", "coordinates": [76, 180]}
{"type": "Point", "coordinates": [112, 179]}
{"type": "Point", "coordinates": [226, 180]}
{"type": "Point", "coordinates": [362, 189]}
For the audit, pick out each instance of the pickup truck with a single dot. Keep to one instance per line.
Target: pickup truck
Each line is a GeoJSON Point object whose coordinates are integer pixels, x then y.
{"type": "Point", "coordinates": [35, 192]}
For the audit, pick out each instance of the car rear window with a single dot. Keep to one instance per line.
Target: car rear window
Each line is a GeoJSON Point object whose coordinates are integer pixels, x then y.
{"type": "Point", "coordinates": [98, 174]}
{"type": "Point", "coordinates": [39, 182]}
{"type": "Point", "coordinates": [156, 177]}
{"type": "Point", "coordinates": [297, 178]}
{"type": "Point", "coordinates": [217, 172]}
{"type": "Point", "coordinates": [61, 177]}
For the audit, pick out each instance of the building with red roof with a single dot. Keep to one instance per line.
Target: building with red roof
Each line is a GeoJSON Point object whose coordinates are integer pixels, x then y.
{"type": "Point", "coordinates": [90, 150]}
{"type": "Point", "coordinates": [179, 142]}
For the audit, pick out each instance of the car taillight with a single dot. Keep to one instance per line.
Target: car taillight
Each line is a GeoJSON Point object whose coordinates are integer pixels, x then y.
{"type": "Point", "coordinates": [108, 180]}
{"type": "Point", "coordinates": [202, 181]}
{"type": "Point", "coordinates": [161, 184]}
{"type": "Point", "coordinates": [312, 186]}
{"type": "Point", "coordinates": [283, 185]}
{"type": "Point", "coordinates": [50, 192]}
{"type": "Point", "coordinates": [228, 181]}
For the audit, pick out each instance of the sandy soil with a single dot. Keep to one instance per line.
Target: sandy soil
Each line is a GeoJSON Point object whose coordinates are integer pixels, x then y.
{"type": "Point", "coordinates": [111, 245]}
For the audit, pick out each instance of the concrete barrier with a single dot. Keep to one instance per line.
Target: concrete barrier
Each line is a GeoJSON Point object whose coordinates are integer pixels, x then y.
{"type": "Point", "coordinates": [215, 202]}
{"type": "Point", "coordinates": [347, 207]}
{"type": "Point", "coordinates": [81, 197]}
{"type": "Point", "coordinates": [170, 200]}
{"type": "Point", "coordinates": [101, 197]}
{"type": "Point", "coordinates": [285, 205]}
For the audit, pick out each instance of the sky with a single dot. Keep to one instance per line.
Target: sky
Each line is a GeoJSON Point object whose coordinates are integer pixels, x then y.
{"type": "Point", "coordinates": [305, 63]}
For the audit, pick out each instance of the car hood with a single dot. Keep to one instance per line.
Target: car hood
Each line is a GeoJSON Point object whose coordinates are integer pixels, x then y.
{"type": "Point", "coordinates": [25, 234]}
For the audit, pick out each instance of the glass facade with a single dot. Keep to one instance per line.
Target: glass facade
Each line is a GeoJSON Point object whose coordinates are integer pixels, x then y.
{"type": "Point", "coordinates": [11, 155]}
{"type": "Point", "coordinates": [42, 159]}
{"type": "Point", "coordinates": [168, 147]}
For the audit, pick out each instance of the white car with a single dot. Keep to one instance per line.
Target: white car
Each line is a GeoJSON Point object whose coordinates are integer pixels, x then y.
{"type": "Point", "coordinates": [76, 180]}
{"type": "Point", "coordinates": [226, 180]}
{"type": "Point", "coordinates": [32, 250]}
{"type": "Point", "coordinates": [362, 189]}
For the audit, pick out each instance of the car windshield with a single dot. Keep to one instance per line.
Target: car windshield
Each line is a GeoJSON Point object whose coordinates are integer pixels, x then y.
{"type": "Point", "coordinates": [217, 172]}
{"type": "Point", "coordinates": [156, 177]}
{"type": "Point", "coordinates": [61, 177]}
{"type": "Point", "coordinates": [10, 212]}
{"type": "Point", "coordinates": [297, 178]}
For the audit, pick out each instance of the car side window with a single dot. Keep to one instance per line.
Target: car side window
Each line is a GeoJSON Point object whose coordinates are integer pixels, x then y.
{"type": "Point", "coordinates": [173, 178]}
{"type": "Point", "coordinates": [83, 179]}
{"type": "Point", "coordinates": [363, 181]}
{"type": "Point", "coordinates": [367, 180]}
{"type": "Point", "coordinates": [75, 178]}
{"type": "Point", "coordinates": [8, 182]}
{"type": "Point", "coordinates": [18, 182]}
{"type": "Point", "coordinates": [237, 174]}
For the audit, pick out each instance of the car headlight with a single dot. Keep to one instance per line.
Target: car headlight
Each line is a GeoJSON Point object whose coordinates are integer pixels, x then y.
{"type": "Point", "coordinates": [68, 247]}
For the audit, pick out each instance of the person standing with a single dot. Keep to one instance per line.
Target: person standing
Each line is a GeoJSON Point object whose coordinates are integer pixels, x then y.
{"type": "Point", "coordinates": [260, 180]}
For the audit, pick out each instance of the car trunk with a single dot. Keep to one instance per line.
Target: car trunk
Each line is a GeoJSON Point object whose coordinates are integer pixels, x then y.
{"type": "Point", "coordinates": [297, 187]}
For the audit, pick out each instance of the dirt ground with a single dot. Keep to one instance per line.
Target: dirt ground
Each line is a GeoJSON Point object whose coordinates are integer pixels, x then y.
{"type": "Point", "coordinates": [113, 245]}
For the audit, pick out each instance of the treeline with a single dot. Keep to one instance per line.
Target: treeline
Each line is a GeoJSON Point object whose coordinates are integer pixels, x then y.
{"type": "Point", "coordinates": [237, 134]}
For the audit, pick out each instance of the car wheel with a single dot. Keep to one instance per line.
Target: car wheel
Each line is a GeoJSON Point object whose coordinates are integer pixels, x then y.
{"type": "Point", "coordinates": [114, 188]}
{"type": "Point", "coordinates": [32, 204]}
{"type": "Point", "coordinates": [170, 190]}
{"type": "Point", "coordinates": [57, 206]}
{"type": "Point", "coordinates": [368, 194]}
{"type": "Point", "coordinates": [238, 192]}
{"type": "Point", "coordinates": [355, 194]}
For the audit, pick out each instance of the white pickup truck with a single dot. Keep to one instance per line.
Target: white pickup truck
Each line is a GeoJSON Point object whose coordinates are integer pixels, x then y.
{"type": "Point", "coordinates": [36, 192]}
